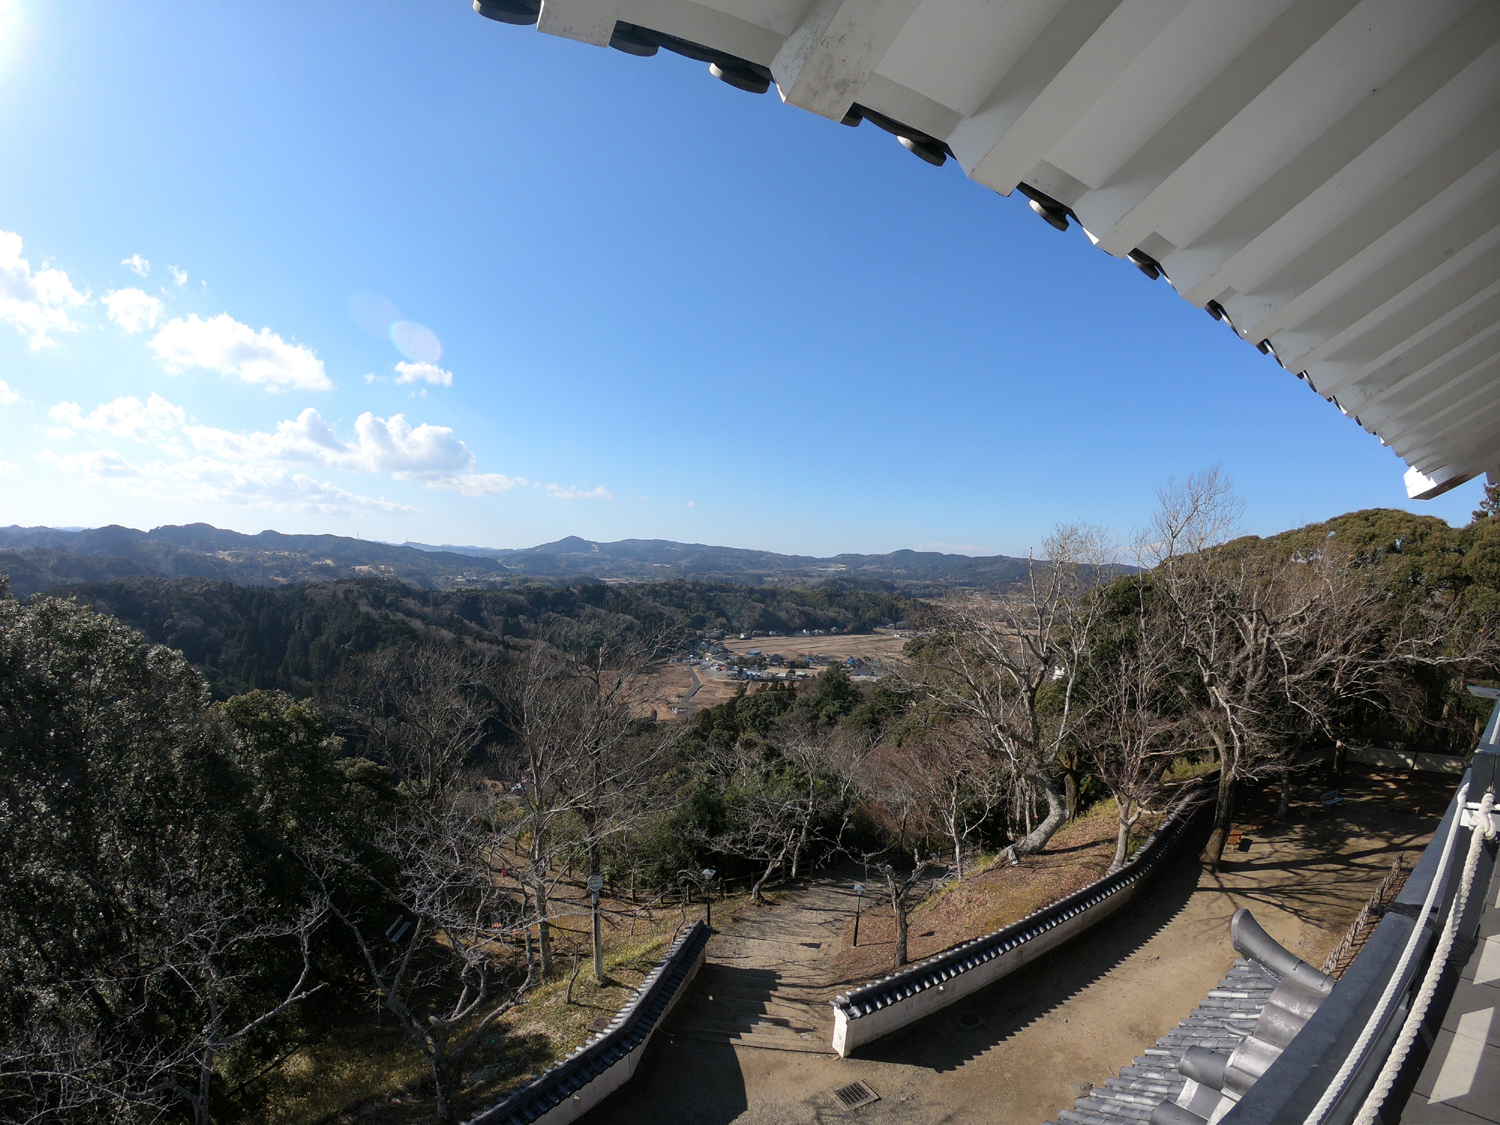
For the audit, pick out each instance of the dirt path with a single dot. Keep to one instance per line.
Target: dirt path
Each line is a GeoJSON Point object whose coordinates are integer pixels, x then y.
{"type": "Point", "coordinates": [1070, 1018]}
{"type": "Point", "coordinates": [766, 983]}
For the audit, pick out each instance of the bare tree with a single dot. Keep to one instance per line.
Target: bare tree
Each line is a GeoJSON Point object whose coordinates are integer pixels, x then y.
{"type": "Point", "coordinates": [438, 965]}
{"type": "Point", "coordinates": [764, 826]}
{"type": "Point", "coordinates": [1008, 667]}
{"type": "Point", "coordinates": [425, 711]}
{"type": "Point", "coordinates": [951, 786]}
{"type": "Point", "coordinates": [1134, 711]}
{"type": "Point", "coordinates": [583, 769]}
{"type": "Point", "coordinates": [902, 890]}
{"type": "Point", "coordinates": [213, 953]}
{"type": "Point", "coordinates": [793, 798]}
{"type": "Point", "coordinates": [1279, 646]}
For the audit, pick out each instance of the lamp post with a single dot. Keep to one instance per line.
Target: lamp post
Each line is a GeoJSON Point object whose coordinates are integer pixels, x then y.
{"type": "Point", "coordinates": [596, 884]}
{"type": "Point", "coordinates": [859, 897]}
{"type": "Point", "coordinates": [708, 896]}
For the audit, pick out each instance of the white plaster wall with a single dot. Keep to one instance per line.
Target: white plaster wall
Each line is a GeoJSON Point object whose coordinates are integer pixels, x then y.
{"type": "Point", "coordinates": [621, 1073]}
{"type": "Point", "coordinates": [849, 1034]}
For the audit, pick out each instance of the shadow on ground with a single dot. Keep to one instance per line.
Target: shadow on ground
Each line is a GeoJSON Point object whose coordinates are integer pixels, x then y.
{"type": "Point", "coordinates": [942, 1043]}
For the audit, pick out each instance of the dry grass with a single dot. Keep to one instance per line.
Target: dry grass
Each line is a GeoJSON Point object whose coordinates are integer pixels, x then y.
{"type": "Point", "coordinates": [879, 645]}
{"type": "Point", "coordinates": [363, 1073]}
{"type": "Point", "coordinates": [992, 895]}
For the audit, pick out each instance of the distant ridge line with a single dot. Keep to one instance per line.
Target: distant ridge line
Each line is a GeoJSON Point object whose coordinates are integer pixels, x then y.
{"type": "Point", "coordinates": [39, 558]}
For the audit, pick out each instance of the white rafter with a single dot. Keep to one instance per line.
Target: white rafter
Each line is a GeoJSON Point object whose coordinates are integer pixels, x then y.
{"type": "Point", "coordinates": [1325, 172]}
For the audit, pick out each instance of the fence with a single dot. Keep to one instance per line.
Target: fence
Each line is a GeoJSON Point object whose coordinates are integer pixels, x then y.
{"type": "Point", "coordinates": [589, 1074]}
{"type": "Point", "coordinates": [865, 1014]}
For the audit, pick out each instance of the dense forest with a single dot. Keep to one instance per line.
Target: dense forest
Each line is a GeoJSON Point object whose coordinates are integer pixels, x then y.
{"type": "Point", "coordinates": [237, 818]}
{"type": "Point", "coordinates": [293, 638]}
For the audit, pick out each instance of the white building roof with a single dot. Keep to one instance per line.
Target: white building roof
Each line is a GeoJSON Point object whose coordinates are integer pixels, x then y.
{"type": "Point", "coordinates": [1323, 175]}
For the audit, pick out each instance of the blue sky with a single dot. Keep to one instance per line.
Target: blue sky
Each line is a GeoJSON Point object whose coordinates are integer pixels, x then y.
{"type": "Point", "coordinates": [633, 302]}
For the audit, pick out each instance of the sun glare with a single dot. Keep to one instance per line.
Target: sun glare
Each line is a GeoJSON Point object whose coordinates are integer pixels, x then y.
{"type": "Point", "coordinates": [10, 29]}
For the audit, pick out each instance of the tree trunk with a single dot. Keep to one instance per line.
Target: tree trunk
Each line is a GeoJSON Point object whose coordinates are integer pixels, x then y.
{"type": "Point", "coordinates": [440, 1084]}
{"type": "Point", "coordinates": [1122, 843]}
{"type": "Point", "coordinates": [1057, 814]}
{"type": "Point", "coordinates": [1286, 796]}
{"type": "Point", "coordinates": [1223, 816]}
{"type": "Point", "coordinates": [898, 904]}
{"type": "Point", "coordinates": [755, 895]}
{"type": "Point", "coordinates": [802, 835]}
{"type": "Point", "coordinates": [543, 932]}
{"type": "Point", "coordinates": [1070, 793]}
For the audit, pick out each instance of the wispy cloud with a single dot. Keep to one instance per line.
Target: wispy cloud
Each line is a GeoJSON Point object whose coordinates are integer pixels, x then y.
{"type": "Point", "coordinates": [7, 396]}
{"type": "Point", "coordinates": [95, 465]}
{"type": "Point", "coordinates": [573, 492]}
{"type": "Point", "coordinates": [179, 277]}
{"type": "Point", "coordinates": [36, 303]}
{"type": "Point", "coordinates": [137, 265]}
{"type": "Point", "coordinates": [206, 480]}
{"type": "Point", "coordinates": [133, 309]}
{"type": "Point", "coordinates": [424, 373]}
{"type": "Point", "coordinates": [223, 344]}
{"type": "Point", "coordinates": [477, 484]}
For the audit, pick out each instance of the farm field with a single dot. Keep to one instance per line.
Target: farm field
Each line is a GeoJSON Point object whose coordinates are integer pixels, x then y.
{"type": "Point", "coordinates": [883, 645]}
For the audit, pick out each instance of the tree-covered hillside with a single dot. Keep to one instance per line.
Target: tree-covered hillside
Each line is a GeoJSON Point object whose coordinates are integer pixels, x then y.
{"type": "Point", "coordinates": [292, 638]}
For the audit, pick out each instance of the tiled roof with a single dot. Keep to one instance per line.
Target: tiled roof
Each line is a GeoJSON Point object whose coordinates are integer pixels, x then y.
{"type": "Point", "coordinates": [1224, 1018]}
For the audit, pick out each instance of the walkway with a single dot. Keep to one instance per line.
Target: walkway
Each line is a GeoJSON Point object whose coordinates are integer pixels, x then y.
{"type": "Point", "coordinates": [766, 982]}
{"type": "Point", "coordinates": [1023, 1050]}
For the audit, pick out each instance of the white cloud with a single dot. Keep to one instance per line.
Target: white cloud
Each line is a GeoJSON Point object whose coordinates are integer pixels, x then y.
{"type": "Point", "coordinates": [153, 421]}
{"type": "Point", "coordinates": [209, 481]}
{"type": "Point", "coordinates": [179, 277]}
{"type": "Point", "coordinates": [137, 265]}
{"type": "Point", "coordinates": [7, 396]}
{"type": "Point", "coordinates": [36, 303]}
{"type": "Point", "coordinates": [423, 372]}
{"type": "Point", "coordinates": [6, 467]}
{"type": "Point", "coordinates": [225, 345]}
{"type": "Point", "coordinates": [262, 469]}
{"type": "Point", "coordinates": [573, 492]}
{"type": "Point", "coordinates": [95, 466]}
{"type": "Point", "coordinates": [477, 484]}
{"type": "Point", "coordinates": [380, 445]}
{"type": "Point", "coordinates": [133, 309]}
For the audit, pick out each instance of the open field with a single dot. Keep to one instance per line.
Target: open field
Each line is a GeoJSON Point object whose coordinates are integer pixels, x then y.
{"type": "Point", "coordinates": [882, 644]}
{"type": "Point", "coordinates": [672, 694]}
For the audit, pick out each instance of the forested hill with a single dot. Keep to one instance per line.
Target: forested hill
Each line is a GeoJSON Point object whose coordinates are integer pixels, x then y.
{"type": "Point", "coordinates": [38, 558]}
{"type": "Point", "coordinates": [295, 637]}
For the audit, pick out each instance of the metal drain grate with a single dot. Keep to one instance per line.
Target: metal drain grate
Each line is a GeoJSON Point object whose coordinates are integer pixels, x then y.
{"type": "Point", "coordinates": [855, 1095]}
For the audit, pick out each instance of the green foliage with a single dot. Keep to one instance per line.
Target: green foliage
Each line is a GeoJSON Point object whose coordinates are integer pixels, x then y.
{"type": "Point", "coordinates": [141, 828]}
{"type": "Point", "coordinates": [1489, 506]}
{"type": "Point", "coordinates": [296, 638]}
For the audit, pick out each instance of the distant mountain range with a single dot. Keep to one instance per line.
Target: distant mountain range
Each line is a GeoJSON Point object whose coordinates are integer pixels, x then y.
{"type": "Point", "coordinates": [38, 558]}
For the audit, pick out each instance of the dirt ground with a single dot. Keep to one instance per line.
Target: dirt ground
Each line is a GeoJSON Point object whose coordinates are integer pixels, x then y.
{"type": "Point", "coordinates": [1076, 1015]}
{"type": "Point", "coordinates": [980, 903]}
